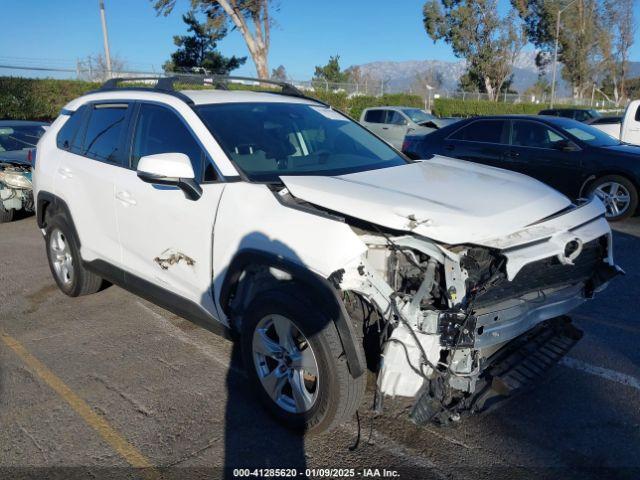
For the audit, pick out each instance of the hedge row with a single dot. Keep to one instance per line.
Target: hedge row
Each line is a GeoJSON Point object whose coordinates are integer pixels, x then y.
{"type": "Point", "coordinates": [42, 99]}
{"type": "Point", "coordinates": [451, 107]}
{"type": "Point", "coordinates": [38, 99]}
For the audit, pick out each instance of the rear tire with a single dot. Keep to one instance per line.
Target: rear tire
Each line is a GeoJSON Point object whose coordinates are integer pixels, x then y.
{"type": "Point", "coordinates": [65, 261]}
{"type": "Point", "coordinates": [330, 395]}
{"type": "Point", "coordinates": [619, 195]}
{"type": "Point", "coordinates": [6, 215]}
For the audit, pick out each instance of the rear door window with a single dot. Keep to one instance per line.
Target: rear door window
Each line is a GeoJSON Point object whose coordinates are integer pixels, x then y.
{"type": "Point", "coordinates": [375, 116]}
{"type": "Point", "coordinates": [160, 130]}
{"type": "Point", "coordinates": [485, 131]}
{"type": "Point", "coordinates": [104, 135]}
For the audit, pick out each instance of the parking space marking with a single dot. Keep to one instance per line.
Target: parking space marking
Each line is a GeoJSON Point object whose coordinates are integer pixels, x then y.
{"type": "Point", "coordinates": [610, 375]}
{"type": "Point", "coordinates": [96, 422]}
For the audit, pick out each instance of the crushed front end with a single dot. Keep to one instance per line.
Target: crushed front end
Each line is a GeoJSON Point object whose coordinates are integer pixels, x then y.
{"type": "Point", "coordinates": [16, 190]}
{"type": "Point", "coordinates": [460, 327]}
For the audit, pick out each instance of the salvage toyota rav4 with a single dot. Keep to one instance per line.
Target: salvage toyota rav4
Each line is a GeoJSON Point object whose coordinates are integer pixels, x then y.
{"type": "Point", "coordinates": [280, 222]}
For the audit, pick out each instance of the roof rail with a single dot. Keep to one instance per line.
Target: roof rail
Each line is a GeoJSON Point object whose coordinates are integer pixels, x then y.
{"type": "Point", "coordinates": [287, 88]}
{"type": "Point", "coordinates": [167, 84]}
{"type": "Point", "coordinates": [162, 83]}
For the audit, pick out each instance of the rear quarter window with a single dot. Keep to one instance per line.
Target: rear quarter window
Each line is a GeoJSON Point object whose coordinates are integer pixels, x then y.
{"type": "Point", "coordinates": [67, 138]}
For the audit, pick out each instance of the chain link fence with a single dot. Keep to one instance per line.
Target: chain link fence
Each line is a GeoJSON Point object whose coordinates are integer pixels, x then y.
{"type": "Point", "coordinates": [96, 72]}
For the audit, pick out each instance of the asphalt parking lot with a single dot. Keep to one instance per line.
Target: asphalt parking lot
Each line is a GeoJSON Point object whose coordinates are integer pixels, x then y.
{"type": "Point", "coordinates": [90, 387]}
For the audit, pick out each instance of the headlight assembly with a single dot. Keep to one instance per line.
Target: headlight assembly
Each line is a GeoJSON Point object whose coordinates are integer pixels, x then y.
{"type": "Point", "coordinates": [15, 180]}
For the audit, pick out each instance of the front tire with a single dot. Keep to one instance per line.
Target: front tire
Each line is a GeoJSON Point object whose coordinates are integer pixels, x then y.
{"type": "Point", "coordinates": [296, 364]}
{"type": "Point", "coordinates": [6, 215]}
{"type": "Point", "coordinates": [65, 262]}
{"type": "Point", "coordinates": [619, 195]}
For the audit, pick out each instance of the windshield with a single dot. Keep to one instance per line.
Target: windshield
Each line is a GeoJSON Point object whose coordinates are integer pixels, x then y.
{"type": "Point", "coordinates": [269, 140]}
{"type": "Point", "coordinates": [19, 137]}
{"type": "Point", "coordinates": [418, 116]}
{"type": "Point", "coordinates": [588, 134]}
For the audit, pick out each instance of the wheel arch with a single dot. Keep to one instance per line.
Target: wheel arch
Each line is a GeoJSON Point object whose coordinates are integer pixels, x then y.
{"type": "Point", "coordinates": [322, 293]}
{"type": "Point", "coordinates": [603, 173]}
{"type": "Point", "coordinates": [47, 203]}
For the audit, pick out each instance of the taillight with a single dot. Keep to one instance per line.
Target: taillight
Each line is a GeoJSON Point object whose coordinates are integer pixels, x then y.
{"type": "Point", "coordinates": [31, 157]}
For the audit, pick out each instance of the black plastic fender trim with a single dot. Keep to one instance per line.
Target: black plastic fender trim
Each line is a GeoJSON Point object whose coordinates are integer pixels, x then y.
{"type": "Point", "coordinates": [322, 291]}
{"type": "Point", "coordinates": [57, 204]}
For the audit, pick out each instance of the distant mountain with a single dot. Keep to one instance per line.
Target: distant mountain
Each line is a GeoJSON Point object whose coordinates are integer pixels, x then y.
{"type": "Point", "coordinates": [399, 76]}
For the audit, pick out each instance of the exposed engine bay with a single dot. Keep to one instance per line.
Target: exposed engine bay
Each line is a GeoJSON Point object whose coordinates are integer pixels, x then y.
{"type": "Point", "coordinates": [15, 187]}
{"type": "Point", "coordinates": [452, 329]}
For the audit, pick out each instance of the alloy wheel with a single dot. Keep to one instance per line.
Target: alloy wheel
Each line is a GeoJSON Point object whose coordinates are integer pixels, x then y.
{"type": "Point", "coordinates": [615, 196]}
{"type": "Point", "coordinates": [286, 364]}
{"type": "Point", "coordinates": [61, 257]}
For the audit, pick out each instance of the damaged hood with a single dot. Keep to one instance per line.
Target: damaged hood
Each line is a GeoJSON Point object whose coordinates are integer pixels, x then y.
{"type": "Point", "coordinates": [450, 201]}
{"type": "Point", "coordinates": [15, 157]}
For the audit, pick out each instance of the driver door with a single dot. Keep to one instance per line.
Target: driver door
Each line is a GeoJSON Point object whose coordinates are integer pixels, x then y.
{"type": "Point", "coordinates": [167, 238]}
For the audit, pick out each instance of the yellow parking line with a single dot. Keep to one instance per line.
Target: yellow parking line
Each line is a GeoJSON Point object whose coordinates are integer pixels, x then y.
{"type": "Point", "coordinates": [99, 424]}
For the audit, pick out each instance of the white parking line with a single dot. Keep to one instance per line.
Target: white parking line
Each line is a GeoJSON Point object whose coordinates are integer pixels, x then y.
{"type": "Point", "coordinates": [610, 375]}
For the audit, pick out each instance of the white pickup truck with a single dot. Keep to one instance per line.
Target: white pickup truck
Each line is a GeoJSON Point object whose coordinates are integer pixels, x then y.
{"type": "Point", "coordinates": [625, 128]}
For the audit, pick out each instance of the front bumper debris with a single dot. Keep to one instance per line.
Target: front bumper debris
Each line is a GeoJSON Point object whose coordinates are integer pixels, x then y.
{"type": "Point", "coordinates": [510, 371]}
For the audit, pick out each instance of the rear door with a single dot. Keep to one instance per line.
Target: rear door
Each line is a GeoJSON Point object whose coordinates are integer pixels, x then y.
{"type": "Point", "coordinates": [481, 141]}
{"type": "Point", "coordinates": [167, 238]}
{"type": "Point", "coordinates": [85, 177]}
{"type": "Point", "coordinates": [535, 151]}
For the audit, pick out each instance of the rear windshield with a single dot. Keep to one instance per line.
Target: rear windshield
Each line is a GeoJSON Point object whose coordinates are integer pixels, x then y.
{"type": "Point", "coordinates": [19, 137]}
{"type": "Point", "coordinates": [268, 140]}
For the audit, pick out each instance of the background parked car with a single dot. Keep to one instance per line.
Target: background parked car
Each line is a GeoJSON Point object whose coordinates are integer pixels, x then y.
{"type": "Point", "coordinates": [393, 123]}
{"type": "Point", "coordinates": [575, 158]}
{"type": "Point", "coordinates": [627, 128]}
{"type": "Point", "coordinates": [579, 114]}
{"type": "Point", "coordinates": [17, 148]}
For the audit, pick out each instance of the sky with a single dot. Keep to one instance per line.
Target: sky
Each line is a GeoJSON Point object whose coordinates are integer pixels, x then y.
{"type": "Point", "coordinates": [307, 32]}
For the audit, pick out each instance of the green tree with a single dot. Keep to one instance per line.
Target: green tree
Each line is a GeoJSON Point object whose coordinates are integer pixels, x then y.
{"type": "Point", "coordinates": [251, 17]}
{"type": "Point", "coordinates": [198, 50]}
{"type": "Point", "coordinates": [583, 43]}
{"type": "Point", "coordinates": [477, 33]}
{"type": "Point", "coordinates": [279, 74]}
{"type": "Point", "coordinates": [330, 72]}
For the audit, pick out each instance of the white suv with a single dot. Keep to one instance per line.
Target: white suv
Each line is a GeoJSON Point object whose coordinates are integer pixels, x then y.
{"type": "Point", "coordinates": [274, 217]}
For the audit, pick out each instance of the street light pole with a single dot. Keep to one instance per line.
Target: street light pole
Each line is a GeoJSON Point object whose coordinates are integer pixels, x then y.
{"type": "Point", "coordinates": [105, 37]}
{"type": "Point", "coordinates": [555, 54]}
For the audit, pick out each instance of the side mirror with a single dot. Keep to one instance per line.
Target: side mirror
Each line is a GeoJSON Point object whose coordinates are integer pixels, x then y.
{"type": "Point", "coordinates": [566, 146]}
{"type": "Point", "coordinates": [172, 169]}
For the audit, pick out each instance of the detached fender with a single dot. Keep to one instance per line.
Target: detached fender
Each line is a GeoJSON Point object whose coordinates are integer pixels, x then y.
{"type": "Point", "coordinates": [319, 290]}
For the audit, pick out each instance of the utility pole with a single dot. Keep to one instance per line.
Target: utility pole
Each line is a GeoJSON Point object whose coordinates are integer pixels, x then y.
{"type": "Point", "coordinates": [555, 54]}
{"type": "Point", "coordinates": [105, 37]}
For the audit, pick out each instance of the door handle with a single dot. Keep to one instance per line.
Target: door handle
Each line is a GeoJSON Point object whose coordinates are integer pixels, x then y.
{"type": "Point", "coordinates": [126, 198]}
{"type": "Point", "coordinates": [385, 128]}
{"type": "Point", "coordinates": [512, 155]}
{"type": "Point", "coordinates": [65, 172]}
